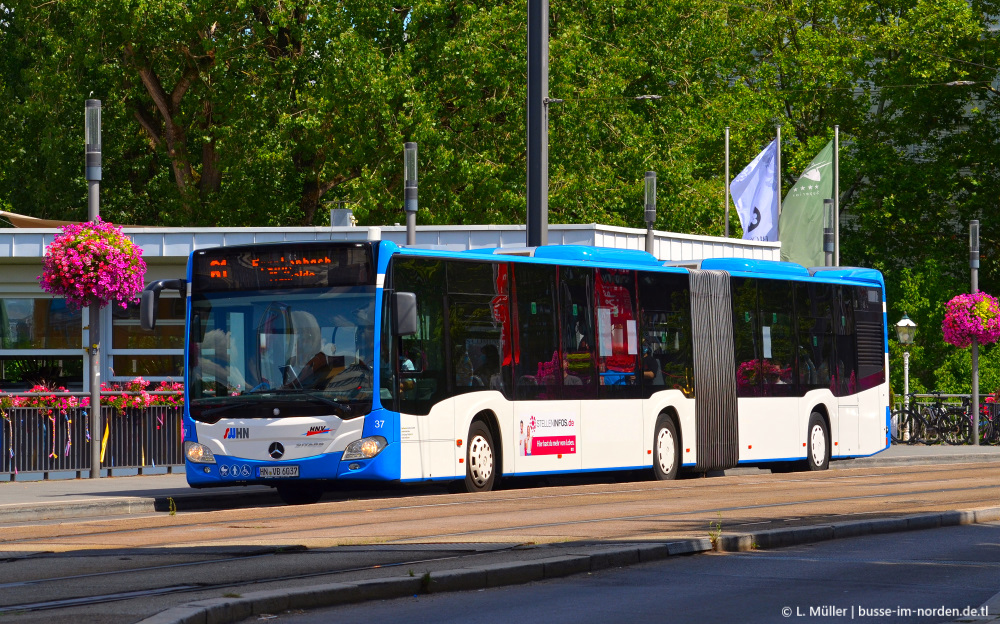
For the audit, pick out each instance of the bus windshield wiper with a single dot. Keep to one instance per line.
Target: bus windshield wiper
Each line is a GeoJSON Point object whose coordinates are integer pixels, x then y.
{"type": "Point", "coordinates": [220, 409]}
{"type": "Point", "coordinates": [343, 409]}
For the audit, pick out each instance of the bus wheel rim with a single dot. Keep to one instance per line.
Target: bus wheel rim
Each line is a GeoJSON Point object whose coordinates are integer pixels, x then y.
{"type": "Point", "coordinates": [665, 450]}
{"type": "Point", "coordinates": [480, 460]}
{"type": "Point", "coordinates": [817, 445]}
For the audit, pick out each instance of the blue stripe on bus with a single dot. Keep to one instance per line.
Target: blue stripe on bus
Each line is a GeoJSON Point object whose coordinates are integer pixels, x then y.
{"type": "Point", "coordinates": [764, 461]}
{"type": "Point", "coordinates": [538, 474]}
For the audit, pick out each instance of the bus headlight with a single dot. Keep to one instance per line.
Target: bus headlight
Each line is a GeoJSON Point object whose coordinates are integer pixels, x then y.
{"type": "Point", "coordinates": [198, 453]}
{"type": "Point", "coordinates": [365, 448]}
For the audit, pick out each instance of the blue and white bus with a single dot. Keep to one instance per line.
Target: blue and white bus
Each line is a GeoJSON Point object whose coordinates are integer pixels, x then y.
{"type": "Point", "coordinates": [313, 363]}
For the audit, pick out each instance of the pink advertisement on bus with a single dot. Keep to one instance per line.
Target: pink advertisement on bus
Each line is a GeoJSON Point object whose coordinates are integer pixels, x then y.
{"type": "Point", "coordinates": [547, 435]}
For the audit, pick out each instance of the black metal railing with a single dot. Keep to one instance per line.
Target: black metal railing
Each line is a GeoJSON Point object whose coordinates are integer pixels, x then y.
{"type": "Point", "coordinates": [930, 408]}
{"type": "Point", "coordinates": [49, 442]}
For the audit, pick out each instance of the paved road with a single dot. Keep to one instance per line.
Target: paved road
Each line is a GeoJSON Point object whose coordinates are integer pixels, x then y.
{"type": "Point", "coordinates": [344, 540]}
{"type": "Point", "coordinates": [955, 568]}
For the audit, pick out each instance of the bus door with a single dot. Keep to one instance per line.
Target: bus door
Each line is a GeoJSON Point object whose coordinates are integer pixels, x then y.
{"type": "Point", "coordinates": [845, 372]}
{"type": "Point", "coordinates": [612, 424]}
{"type": "Point", "coordinates": [547, 407]}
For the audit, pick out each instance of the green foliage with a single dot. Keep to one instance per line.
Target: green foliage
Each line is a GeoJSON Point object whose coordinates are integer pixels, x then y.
{"type": "Point", "coordinates": [258, 114]}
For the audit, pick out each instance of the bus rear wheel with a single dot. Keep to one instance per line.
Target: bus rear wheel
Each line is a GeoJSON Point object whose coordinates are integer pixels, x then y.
{"type": "Point", "coordinates": [666, 450]}
{"type": "Point", "coordinates": [299, 493]}
{"type": "Point", "coordinates": [480, 459]}
{"type": "Point", "coordinates": [818, 443]}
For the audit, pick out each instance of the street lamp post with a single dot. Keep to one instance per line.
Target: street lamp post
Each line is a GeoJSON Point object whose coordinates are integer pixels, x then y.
{"type": "Point", "coordinates": [410, 191]}
{"type": "Point", "coordinates": [828, 244]}
{"type": "Point", "coordinates": [906, 331]}
{"type": "Point", "coordinates": [974, 266]}
{"type": "Point", "coordinates": [92, 141]}
{"type": "Point", "coordinates": [650, 209]}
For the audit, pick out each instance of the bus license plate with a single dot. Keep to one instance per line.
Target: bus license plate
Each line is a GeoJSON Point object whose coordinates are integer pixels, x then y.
{"type": "Point", "coordinates": [269, 472]}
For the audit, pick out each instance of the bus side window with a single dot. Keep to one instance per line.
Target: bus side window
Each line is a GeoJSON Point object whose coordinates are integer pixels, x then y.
{"type": "Point", "coordinates": [617, 334]}
{"type": "Point", "coordinates": [576, 315]}
{"type": "Point", "coordinates": [813, 306]}
{"type": "Point", "coordinates": [777, 338]}
{"type": "Point", "coordinates": [745, 337]}
{"type": "Point", "coordinates": [537, 367]}
{"type": "Point", "coordinates": [667, 353]}
{"type": "Point", "coordinates": [475, 330]}
{"type": "Point", "coordinates": [426, 383]}
{"type": "Point", "coordinates": [846, 370]}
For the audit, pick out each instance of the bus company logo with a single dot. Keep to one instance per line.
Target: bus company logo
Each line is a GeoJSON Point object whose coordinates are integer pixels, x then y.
{"type": "Point", "coordinates": [319, 430]}
{"type": "Point", "coordinates": [237, 433]}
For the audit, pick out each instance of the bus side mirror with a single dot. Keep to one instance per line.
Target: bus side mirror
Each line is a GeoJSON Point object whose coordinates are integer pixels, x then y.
{"type": "Point", "coordinates": [151, 299]}
{"type": "Point", "coordinates": [404, 313]}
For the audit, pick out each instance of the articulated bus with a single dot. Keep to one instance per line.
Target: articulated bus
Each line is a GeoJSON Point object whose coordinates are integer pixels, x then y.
{"type": "Point", "coordinates": [309, 364]}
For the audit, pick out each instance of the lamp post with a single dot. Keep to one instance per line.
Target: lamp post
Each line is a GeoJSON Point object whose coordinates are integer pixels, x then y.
{"type": "Point", "coordinates": [410, 191]}
{"type": "Point", "coordinates": [828, 244]}
{"type": "Point", "coordinates": [906, 331]}
{"type": "Point", "coordinates": [92, 141]}
{"type": "Point", "coordinates": [974, 267]}
{"type": "Point", "coordinates": [650, 212]}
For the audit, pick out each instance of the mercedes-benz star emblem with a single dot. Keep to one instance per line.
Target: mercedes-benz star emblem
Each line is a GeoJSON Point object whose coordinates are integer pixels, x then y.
{"type": "Point", "coordinates": [275, 450]}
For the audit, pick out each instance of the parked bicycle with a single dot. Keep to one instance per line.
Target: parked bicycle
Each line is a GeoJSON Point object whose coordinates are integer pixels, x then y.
{"type": "Point", "coordinates": [989, 422]}
{"type": "Point", "coordinates": [933, 423]}
{"type": "Point", "coordinates": [953, 422]}
{"type": "Point", "coordinates": [914, 425]}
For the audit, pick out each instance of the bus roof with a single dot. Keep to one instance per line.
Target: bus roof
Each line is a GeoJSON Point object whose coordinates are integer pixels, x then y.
{"type": "Point", "coordinates": [641, 260]}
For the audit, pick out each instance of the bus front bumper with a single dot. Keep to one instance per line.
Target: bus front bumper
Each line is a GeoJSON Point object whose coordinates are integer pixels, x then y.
{"type": "Point", "coordinates": [228, 471]}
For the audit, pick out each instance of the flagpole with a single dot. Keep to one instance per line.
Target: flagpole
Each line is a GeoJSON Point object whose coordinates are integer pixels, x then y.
{"type": "Point", "coordinates": [836, 195]}
{"type": "Point", "coordinates": [777, 173]}
{"type": "Point", "coordinates": [727, 182]}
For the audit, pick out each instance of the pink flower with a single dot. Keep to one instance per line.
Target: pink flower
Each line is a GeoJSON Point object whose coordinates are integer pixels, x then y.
{"type": "Point", "coordinates": [968, 317]}
{"type": "Point", "coordinates": [93, 261]}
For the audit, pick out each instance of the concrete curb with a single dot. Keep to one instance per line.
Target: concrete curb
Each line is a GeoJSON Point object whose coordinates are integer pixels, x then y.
{"type": "Point", "coordinates": [792, 536]}
{"type": "Point", "coordinates": [134, 506]}
{"type": "Point", "coordinates": [227, 610]}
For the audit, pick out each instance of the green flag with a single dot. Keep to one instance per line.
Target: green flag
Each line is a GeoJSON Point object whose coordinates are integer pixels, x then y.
{"type": "Point", "coordinates": [800, 226]}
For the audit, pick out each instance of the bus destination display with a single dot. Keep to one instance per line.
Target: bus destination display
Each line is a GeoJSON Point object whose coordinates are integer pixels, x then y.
{"type": "Point", "coordinates": [267, 267]}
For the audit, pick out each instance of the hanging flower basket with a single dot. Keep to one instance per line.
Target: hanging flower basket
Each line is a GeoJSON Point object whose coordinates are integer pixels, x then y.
{"type": "Point", "coordinates": [93, 262]}
{"type": "Point", "coordinates": [969, 317]}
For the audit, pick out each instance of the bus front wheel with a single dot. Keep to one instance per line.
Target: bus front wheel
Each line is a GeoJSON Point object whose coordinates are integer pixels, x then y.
{"type": "Point", "coordinates": [818, 443]}
{"type": "Point", "coordinates": [480, 459]}
{"type": "Point", "coordinates": [666, 450]}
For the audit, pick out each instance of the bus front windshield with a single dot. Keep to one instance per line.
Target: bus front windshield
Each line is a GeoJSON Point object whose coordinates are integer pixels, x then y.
{"type": "Point", "coordinates": [311, 348]}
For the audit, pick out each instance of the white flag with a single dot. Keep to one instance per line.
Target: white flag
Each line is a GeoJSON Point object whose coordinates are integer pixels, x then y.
{"type": "Point", "coordinates": [755, 194]}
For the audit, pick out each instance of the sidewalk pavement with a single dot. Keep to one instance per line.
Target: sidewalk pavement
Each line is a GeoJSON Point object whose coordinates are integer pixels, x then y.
{"type": "Point", "coordinates": [28, 501]}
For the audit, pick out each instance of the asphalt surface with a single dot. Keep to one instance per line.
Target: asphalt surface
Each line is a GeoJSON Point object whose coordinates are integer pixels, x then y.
{"type": "Point", "coordinates": [24, 502]}
{"type": "Point", "coordinates": [916, 577]}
